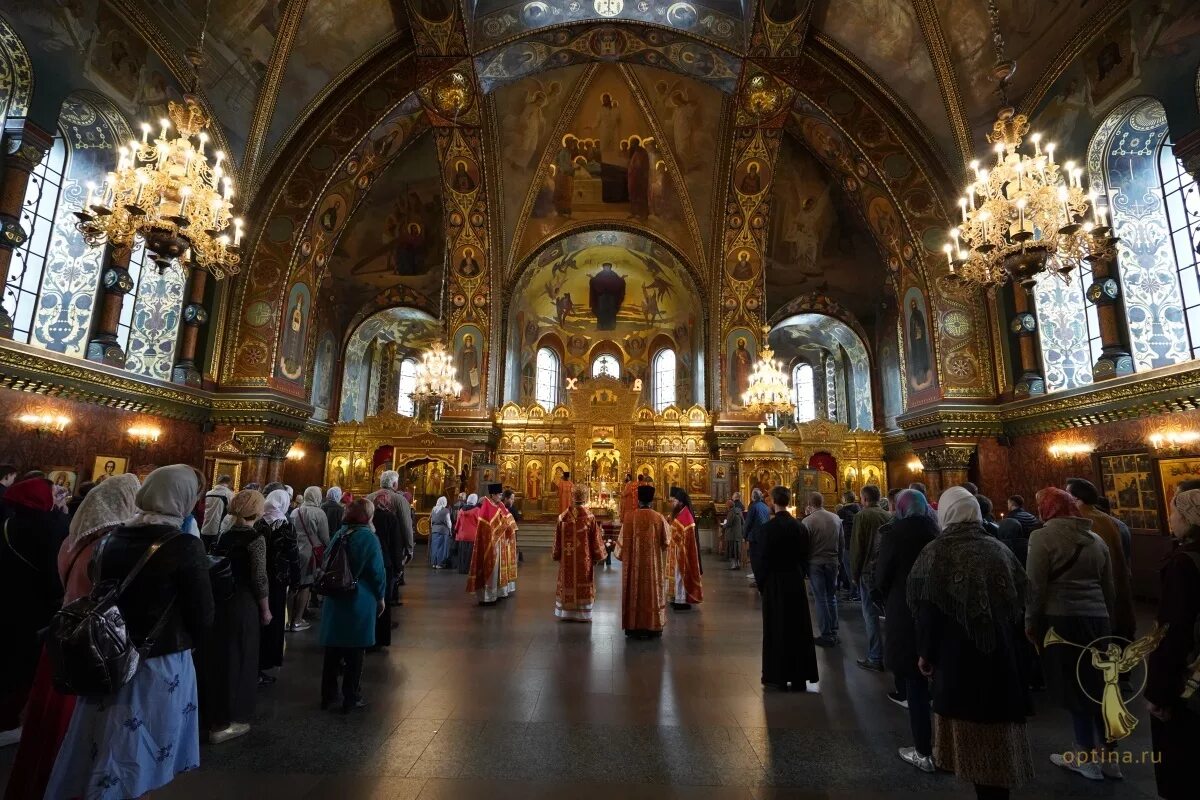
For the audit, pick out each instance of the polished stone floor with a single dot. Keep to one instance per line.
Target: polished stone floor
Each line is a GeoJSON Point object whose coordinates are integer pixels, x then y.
{"type": "Point", "coordinates": [507, 702]}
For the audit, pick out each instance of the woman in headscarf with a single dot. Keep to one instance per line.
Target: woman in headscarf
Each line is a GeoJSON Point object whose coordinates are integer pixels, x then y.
{"type": "Point", "coordinates": [966, 592]}
{"type": "Point", "coordinates": [1071, 592]}
{"type": "Point", "coordinates": [387, 530]}
{"type": "Point", "coordinates": [283, 571]}
{"type": "Point", "coordinates": [465, 529]}
{"type": "Point", "coordinates": [29, 581]}
{"type": "Point", "coordinates": [900, 543]}
{"type": "Point", "coordinates": [1174, 722]}
{"type": "Point", "coordinates": [312, 537]}
{"type": "Point", "coordinates": [229, 658]}
{"type": "Point", "coordinates": [439, 534]}
{"type": "Point", "coordinates": [48, 713]}
{"type": "Point", "coordinates": [140, 738]}
{"type": "Point", "coordinates": [333, 509]}
{"type": "Point", "coordinates": [348, 621]}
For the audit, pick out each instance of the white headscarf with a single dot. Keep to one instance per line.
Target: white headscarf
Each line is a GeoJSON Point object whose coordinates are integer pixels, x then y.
{"type": "Point", "coordinates": [440, 504]}
{"type": "Point", "coordinates": [290, 491]}
{"type": "Point", "coordinates": [312, 496]}
{"type": "Point", "coordinates": [276, 507]}
{"type": "Point", "coordinates": [109, 503]}
{"type": "Point", "coordinates": [473, 500]}
{"type": "Point", "coordinates": [168, 495]}
{"type": "Point", "coordinates": [389, 479]}
{"type": "Point", "coordinates": [334, 494]}
{"type": "Point", "coordinates": [958, 505]}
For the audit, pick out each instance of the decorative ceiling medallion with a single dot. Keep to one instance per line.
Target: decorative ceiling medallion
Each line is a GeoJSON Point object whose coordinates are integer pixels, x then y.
{"type": "Point", "coordinates": [452, 93]}
{"type": "Point", "coordinates": [608, 8]}
{"type": "Point", "coordinates": [763, 97]}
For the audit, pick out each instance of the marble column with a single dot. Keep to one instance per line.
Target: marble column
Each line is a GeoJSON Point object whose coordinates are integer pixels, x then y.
{"type": "Point", "coordinates": [945, 466]}
{"type": "Point", "coordinates": [25, 145]}
{"type": "Point", "coordinates": [193, 318]}
{"type": "Point", "coordinates": [265, 454]}
{"type": "Point", "coordinates": [1024, 326]}
{"type": "Point", "coordinates": [115, 282]}
{"type": "Point", "coordinates": [1105, 292]}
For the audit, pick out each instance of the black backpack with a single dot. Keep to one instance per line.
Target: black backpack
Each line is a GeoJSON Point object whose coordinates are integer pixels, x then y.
{"type": "Point", "coordinates": [338, 578]}
{"type": "Point", "coordinates": [89, 647]}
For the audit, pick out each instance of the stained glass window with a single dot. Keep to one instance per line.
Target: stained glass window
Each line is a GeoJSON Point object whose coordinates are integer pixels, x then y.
{"type": "Point", "coordinates": [664, 379]}
{"type": "Point", "coordinates": [804, 399]}
{"type": "Point", "coordinates": [606, 365]}
{"type": "Point", "coordinates": [547, 378]}
{"type": "Point", "coordinates": [408, 384]}
{"type": "Point", "coordinates": [1182, 202]}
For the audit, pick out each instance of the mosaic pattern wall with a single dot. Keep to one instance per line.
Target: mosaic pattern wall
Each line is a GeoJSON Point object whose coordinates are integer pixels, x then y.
{"type": "Point", "coordinates": [155, 325]}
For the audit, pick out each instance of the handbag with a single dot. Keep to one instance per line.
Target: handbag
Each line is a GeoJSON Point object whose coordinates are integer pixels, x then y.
{"type": "Point", "coordinates": [318, 550]}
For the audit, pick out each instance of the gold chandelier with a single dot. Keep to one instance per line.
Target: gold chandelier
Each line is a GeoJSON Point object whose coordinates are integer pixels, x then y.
{"type": "Point", "coordinates": [767, 390]}
{"type": "Point", "coordinates": [165, 191]}
{"type": "Point", "coordinates": [1025, 215]}
{"type": "Point", "coordinates": [436, 380]}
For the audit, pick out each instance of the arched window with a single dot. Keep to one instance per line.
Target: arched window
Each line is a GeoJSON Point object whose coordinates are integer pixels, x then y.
{"type": "Point", "coordinates": [1182, 201]}
{"type": "Point", "coordinates": [664, 379]}
{"type": "Point", "coordinates": [606, 365]}
{"type": "Point", "coordinates": [546, 392]}
{"type": "Point", "coordinates": [408, 383]}
{"type": "Point", "coordinates": [803, 397]}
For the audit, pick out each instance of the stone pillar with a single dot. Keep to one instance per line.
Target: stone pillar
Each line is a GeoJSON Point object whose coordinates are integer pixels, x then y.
{"type": "Point", "coordinates": [25, 145]}
{"type": "Point", "coordinates": [265, 453]}
{"type": "Point", "coordinates": [193, 319]}
{"type": "Point", "coordinates": [1105, 292]}
{"type": "Point", "coordinates": [1030, 381]}
{"type": "Point", "coordinates": [945, 466]}
{"type": "Point", "coordinates": [115, 282]}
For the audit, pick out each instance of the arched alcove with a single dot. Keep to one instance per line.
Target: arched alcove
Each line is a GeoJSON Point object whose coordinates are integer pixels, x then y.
{"type": "Point", "coordinates": [839, 361]}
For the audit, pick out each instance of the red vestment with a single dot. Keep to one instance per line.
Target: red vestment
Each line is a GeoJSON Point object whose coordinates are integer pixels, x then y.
{"type": "Point", "coordinates": [565, 490]}
{"type": "Point", "coordinates": [483, 578]}
{"type": "Point", "coordinates": [685, 557]}
{"type": "Point", "coordinates": [642, 550]}
{"type": "Point", "coordinates": [629, 501]}
{"type": "Point", "coordinates": [577, 547]}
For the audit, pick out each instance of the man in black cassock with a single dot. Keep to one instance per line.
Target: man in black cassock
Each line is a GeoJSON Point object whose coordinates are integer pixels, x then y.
{"type": "Point", "coordinates": [607, 293]}
{"type": "Point", "coordinates": [788, 655]}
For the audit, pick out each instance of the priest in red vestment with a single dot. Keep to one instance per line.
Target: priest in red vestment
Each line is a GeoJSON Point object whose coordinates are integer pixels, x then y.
{"type": "Point", "coordinates": [508, 548]}
{"type": "Point", "coordinates": [484, 577]}
{"type": "Point", "coordinates": [629, 501]}
{"type": "Point", "coordinates": [566, 488]}
{"type": "Point", "coordinates": [642, 550]}
{"type": "Point", "coordinates": [577, 547]}
{"type": "Point", "coordinates": [685, 585]}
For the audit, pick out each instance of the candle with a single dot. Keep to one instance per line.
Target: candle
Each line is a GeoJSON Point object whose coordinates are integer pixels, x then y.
{"type": "Point", "coordinates": [1050, 153]}
{"type": "Point", "coordinates": [237, 231]}
{"type": "Point", "coordinates": [184, 194]}
{"type": "Point", "coordinates": [971, 194]}
{"type": "Point", "coordinates": [983, 182]}
{"type": "Point", "coordinates": [1077, 177]}
{"type": "Point", "coordinates": [999, 153]}
{"type": "Point", "coordinates": [1037, 143]}
{"type": "Point", "coordinates": [141, 182]}
{"type": "Point", "coordinates": [133, 146]}
{"type": "Point", "coordinates": [165, 123]}
{"type": "Point", "coordinates": [145, 132]}
{"type": "Point", "coordinates": [203, 137]}
{"type": "Point", "coordinates": [1021, 214]}
{"type": "Point", "coordinates": [984, 216]}
{"type": "Point", "coordinates": [975, 167]}
{"type": "Point", "coordinates": [949, 258]}
{"type": "Point", "coordinates": [1062, 196]}
{"type": "Point", "coordinates": [91, 188]}
{"type": "Point", "coordinates": [962, 203]}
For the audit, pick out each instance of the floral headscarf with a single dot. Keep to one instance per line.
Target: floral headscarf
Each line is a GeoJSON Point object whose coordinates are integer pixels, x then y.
{"type": "Point", "coordinates": [109, 503]}
{"type": "Point", "coordinates": [1053, 502]}
{"type": "Point", "coordinates": [911, 503]}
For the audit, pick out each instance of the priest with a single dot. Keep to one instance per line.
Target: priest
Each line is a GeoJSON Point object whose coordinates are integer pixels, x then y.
{"type": "Point", "coordinates": [578, 546]}
{"type": "Point", "coordinates": [566, 489]}
{"type": "Point", "coordinates": [642, 550]}
{"type": "Point", "coordinates": [508, 546]}
{"type": "Point", "coordinates": [629, 501]}
{"type": "Point", "coordinates": [484, 576]}
{"type": "Point", "coordinates": [684, 561]}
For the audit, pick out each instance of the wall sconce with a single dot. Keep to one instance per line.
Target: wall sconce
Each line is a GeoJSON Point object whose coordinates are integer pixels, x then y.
{"type": "Point", "coordinates": [915, 466]}
{"type": "Point", "coordinates": [144, 435]}
{"type": "Point", "coordinates": [1067, 450]}
{"type": "Point", "coordinates": [296, 453]}
{"type": "Point", "coordinates": [45, 423]}
{"type": "Point", "coordinates": [1173, 439]}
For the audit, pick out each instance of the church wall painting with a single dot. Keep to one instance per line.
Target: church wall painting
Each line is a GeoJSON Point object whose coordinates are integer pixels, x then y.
{"type": "Point", "coordinates": [322, 387]}
{"type": "Point", "coordinates": [920, 368]}
{"type": "Point", "coordinates": [741, 349]}
{"type": "Point", "coordinates": [470, 356]}
{"type": "Point", "coordinates": [295, 332]}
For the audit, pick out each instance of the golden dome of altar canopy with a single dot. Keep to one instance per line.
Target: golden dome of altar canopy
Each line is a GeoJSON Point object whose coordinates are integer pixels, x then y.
{"type": "Point", "coordinates": [764, 444]}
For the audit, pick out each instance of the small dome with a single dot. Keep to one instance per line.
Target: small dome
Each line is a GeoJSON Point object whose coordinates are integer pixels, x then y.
{"type": "Point", "coordinates": [764, 444]}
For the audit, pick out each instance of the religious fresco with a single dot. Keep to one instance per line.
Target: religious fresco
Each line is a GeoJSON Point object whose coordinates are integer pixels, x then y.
{"type": "Point", "coordinates": [295, 331]}
{"type": "Point", "coordinates": [1138, 54]}
{"type": "Point", "coordinates": [395, 235]}
{"type": "Point", "coordinates": [718, 20]}
{"type": "Point", "coordinates": [894, 50]}
{"type": "Point", "coordinates": [606, 161]}
{"type": "Point", "coordinates": [409, 328]}
{"type": "Point", "coordinates": [470, 358]}
{"type": "Point", "coordinates": [322, 383]}
{"type": "Point", "coordinates": [918, 349]}
{"type": "Point", "coordinates": [741, 349]}
{"type": "Point", "coordinates": [325, 46]}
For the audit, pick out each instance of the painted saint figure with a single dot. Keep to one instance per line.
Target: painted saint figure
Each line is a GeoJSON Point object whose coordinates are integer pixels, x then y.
{"type": "Point", "coordinates": [565, 487]}
{"type": "Point", "coordinates": [606, 294]}
{"type": "Point", "coordinates": [564, 175]}
{"type": "Point", "coordinates": [533, 482]}
{"type": "Point", "coordinates": [468, 266]}
{"type": "Point", "coordinates": [293, 345]}
{"type": "Point", "coordinates": [918, 347]}
{"type": "Point", "coordinates": [468, 369]}
{"type": "Point", "coordinates": [739, 372]}
{"type": "Point", "coordinates": [578, 545]}
{"type": "Point", "coordinates": [462, 182]}
{"type": "Point", "coordinates": [638, 179]}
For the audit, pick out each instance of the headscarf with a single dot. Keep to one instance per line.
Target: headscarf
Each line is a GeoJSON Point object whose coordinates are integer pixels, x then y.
{"type": "Point", "coordinates": [347, 498]}
{"type": "Point", "coordinates": [440, 504]}
{"type": "Point", "coordinates": [276, 506]}
{"type": "Point", "coordinates": [1054, 502]}
{"type": "Point", "coordinates": [472, 501]}
{"type": "Point", "coordinates": [271, 487]}
{"type": "Point", "coordinates": [958, 506]}
{"type": "Point", "coordinates": [291, 492]}
{"type": "Point", "coordinates": [109, 503]}
{"type": "Point", "coordinates": [359, 513]}
{"type": "Point", "coordinates": [247, 506]}
{"type": "Point", "coordinates": [312, 497]}
{"type": "Point", "coordinates": [971, 577]}
{"type": "Point", "coordinates": [167, 496]}
{"type": "Point", "coordinates": [911, 503]}
{"type": "Point", "coordinates": [1186, 503]}
{"type": "Point", "coordinates": [334, 494]}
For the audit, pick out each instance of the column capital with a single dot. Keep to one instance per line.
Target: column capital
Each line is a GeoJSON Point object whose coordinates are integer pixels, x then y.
{"type": "Point", "coordinates": [25, 144]}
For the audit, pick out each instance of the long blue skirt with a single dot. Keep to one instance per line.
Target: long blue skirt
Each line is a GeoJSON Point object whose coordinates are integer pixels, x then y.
{"type": "Point", "coordinates": [135, 741]}
{"type": "Point", "coordinates": [439, 549]}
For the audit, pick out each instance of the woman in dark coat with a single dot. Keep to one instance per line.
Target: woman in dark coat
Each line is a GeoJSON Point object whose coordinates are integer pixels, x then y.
{"type": "Point", "coordinates": [387, 528]}
{"type": "Point", "coordinates": [29, 581]}
{"type": "Point", "coordinates": [901, 543]}
{"type": "Point", "coordinates": [1174, 723]}
{"type": "Point", "coordinates": [789, 655]}
{"type": "Point", "coordinates": [230, 654]}
{"type": "Point", "coordinates": [333, 508]}
{"type": "Point", "coordinates": [283, 571]}
{"type": "Point", "coordinates": [967, 594]}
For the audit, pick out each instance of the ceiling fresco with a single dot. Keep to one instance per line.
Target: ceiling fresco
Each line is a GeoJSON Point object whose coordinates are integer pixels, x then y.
{"type": "Point", "coordinates": [395, 237]}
